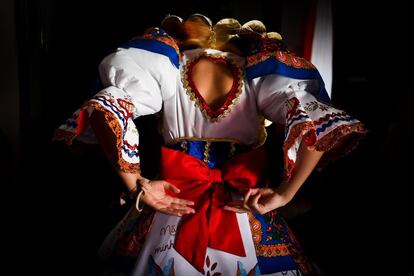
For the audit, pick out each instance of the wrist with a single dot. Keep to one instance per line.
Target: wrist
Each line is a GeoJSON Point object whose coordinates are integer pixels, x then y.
{"type": "Point", "coordinates": [144, 184]}
{"type": "Point", "coordinates": [142, 187]}
{"type": "Point", "coordinates": [133, 193]}
{"type": "Point", "coordinates": [137, 193]}
{"type": "Point", "coordinates": [285, 194]}
{"type": "Point", "coordinates": [141, 184]}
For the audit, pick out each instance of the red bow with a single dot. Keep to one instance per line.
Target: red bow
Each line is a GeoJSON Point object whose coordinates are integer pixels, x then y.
{"type": "Point", "coordinates": [210, 225]}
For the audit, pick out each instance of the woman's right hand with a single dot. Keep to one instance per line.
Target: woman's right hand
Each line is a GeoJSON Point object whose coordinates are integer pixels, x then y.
{"type": "Point", "coordinates": [155, 196]}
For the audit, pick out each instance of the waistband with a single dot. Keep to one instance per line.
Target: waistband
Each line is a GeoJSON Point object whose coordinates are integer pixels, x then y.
{"type": "Point", "coordinates": [214, 153]}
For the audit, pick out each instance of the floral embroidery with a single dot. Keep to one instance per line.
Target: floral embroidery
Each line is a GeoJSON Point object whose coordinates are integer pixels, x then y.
{"type": "Point", "coordinates": [331, 139]}
{"type": "Point", "coordinates": [121, 144]}
{"type": "Point", "coordinates": [314, 105]}
{"type": "Point", "coordinates": [268, 237]}
{"type": "Point", "coordinates": [117, 113]}
{"type": "Point", "coordinates": [294, 109]}
{"type": "Point", "coordinates": [267, 48]}
{"type": "Point", "coordinates": [160, 35]}
{"type": "Point", "coordinates": [210, 269]}
{"type": "Point", "coordinates": [304, 130]}
{"type": "Point", "coordinates": [277, 240]}
{"type": "Point", "coordinates": [256, 229]}
{"type": "Point", "coordinates": [324, 133]}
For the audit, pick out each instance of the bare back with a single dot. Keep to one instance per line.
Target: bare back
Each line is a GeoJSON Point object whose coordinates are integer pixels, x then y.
{"type": "Point", "coordinates": [213, 81]}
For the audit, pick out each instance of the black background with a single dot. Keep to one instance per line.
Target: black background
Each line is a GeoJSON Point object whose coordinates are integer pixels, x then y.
{"type": "Point", "coordinates": [64, 201]}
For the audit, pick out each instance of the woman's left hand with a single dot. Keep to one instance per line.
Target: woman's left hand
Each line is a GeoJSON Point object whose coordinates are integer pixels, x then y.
{"type": "Point", "coordinates": [261, 200]}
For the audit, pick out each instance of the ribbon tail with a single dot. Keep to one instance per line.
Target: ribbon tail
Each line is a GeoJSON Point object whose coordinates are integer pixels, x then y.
{"type": "Point", "coordinates": [224, 230]}
{"type": "Point", "coordinates": [191, 240]}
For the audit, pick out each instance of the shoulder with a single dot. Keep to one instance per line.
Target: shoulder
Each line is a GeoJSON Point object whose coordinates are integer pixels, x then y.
{"type": "Point", "coordinates": [156, 40]}
{"type": "Point", "coordinates": [268, 56]}
{"type": "Point", "coordinates": [155, 53]}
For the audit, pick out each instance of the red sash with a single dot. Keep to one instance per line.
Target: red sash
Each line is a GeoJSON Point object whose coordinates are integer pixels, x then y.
{"type": "Point", "coordinates": [210, 225]}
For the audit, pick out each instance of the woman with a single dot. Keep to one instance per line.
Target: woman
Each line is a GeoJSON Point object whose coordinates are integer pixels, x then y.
{"type": "Point", "coordinates": [212, 211]}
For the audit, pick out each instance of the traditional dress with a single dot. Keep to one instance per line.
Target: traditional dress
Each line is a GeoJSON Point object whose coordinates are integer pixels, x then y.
{"type": "Point", "coordinates": [210, 153]}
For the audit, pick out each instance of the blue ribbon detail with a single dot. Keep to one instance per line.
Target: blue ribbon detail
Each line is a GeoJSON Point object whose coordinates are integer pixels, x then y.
{"type": "Point", "coordinates": [273, 66]}
{"type": "Point", "coordinates": [217, 154]}
{"type": "Point", "coordinates": [154, 46]}
{"type": "Point", "coordinates": [335, 120]}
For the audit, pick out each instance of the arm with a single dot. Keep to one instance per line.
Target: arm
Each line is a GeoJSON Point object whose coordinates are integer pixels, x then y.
{"type": "Point", "coordinates": [290, 102]}
{"type": "Point", "coordinates": [154, 192]}
{"type": "Point", "coordinates": [306, 161]}
{"type": "Point", "coordinates": [263, 200]}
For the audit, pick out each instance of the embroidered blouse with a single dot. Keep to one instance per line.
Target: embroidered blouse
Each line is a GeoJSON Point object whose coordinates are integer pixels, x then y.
{"type": "Point", "coordinates": [150, 75]}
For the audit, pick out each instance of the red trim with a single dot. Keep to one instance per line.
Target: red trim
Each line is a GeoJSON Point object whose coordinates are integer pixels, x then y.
{"type": "Point", "coordinates": [83, 121]}
{"type": "Point", "coordinates": [64, 135]}
{"type": "Point", "coordinates": [231, 95]}
{"type": "Point", "coordinates": [309, 31]}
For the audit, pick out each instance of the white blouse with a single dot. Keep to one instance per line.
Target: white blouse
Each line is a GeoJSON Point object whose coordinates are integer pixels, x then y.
{"type": "Point", "coordinates": [148, 82]}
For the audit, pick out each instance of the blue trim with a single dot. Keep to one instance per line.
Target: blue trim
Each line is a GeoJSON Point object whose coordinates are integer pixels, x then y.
{"type": "Point", "coordinates": [131, 153]}
{"type": "Point", "coordinates": [273, 66]}
{"type": "Point", "coordinates": [117, 113]}
{"type": "Point", "coordinates": [265, 229]}
{"type": "Point", "coordinates": [196, 149]}
{"type": "Point", "coordinates": [154, 46]}
{"type": "Point", "coordinates": [276, 264]}
{"type": "Point", "coordinates": [335, 120]}
{"type": "Point", "coordinates": [218, 153]}
{"type": "Point", "coordinates": [300, 117]}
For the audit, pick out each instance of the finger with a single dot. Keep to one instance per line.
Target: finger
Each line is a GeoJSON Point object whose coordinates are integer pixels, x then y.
{"type": "Point", "coordinates": [182, 201]}
{"type": "Point", "coordinates": [247, 196]}
{"type": "Point", "coordinates": [177, 211]}
{"type": "Point", "coordinates": [183, 208]}
{"type": "Point", "coordinates": [267, 191]}
{"type": "Point", "coordinates": [171, 187]}
{"type": "Point", "coordinates": [255, 199]}
{"type": "Point", "coordinates": [254, 203]}
{"type": "Point", "coordinates": [236, 210]}
{"type": "Point", "coordinates": [251, 193]}
{"type": "Point", "coordinates": [157, 205]}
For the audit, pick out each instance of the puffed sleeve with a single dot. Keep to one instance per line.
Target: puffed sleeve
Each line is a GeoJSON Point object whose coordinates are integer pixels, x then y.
{"type": "Point", "coordinates": [292, 103]}
{"type": "Point", "coordinates": [135, 82]}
